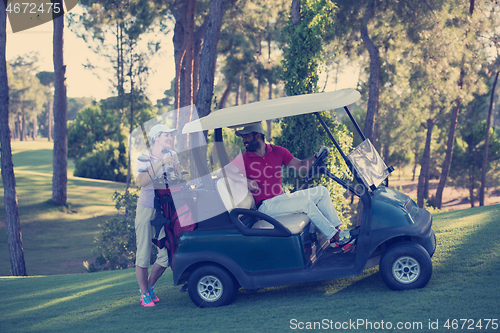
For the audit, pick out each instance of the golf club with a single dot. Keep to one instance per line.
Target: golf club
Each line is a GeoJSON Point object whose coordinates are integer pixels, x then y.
{"type": "Point", "coordinates": [146, 158]}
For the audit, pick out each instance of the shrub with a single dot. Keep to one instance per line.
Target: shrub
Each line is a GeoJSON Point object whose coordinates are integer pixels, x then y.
{"type": "Point", "coordinates": [107, 161]}
{"type": "Point", "coordinates": [91, 125]}
{"type": "Point", "coordinates": [116, 244]}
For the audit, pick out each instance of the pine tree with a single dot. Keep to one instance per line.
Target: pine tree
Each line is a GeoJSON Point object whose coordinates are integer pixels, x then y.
{"type": "Point", "coordinates": [310, 25]}
{"type": "Point", "coordinates": [12, 221]}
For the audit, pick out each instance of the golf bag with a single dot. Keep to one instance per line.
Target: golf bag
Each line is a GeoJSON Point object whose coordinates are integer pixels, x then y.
{"type": "Point", "coordinates": [172, 219]}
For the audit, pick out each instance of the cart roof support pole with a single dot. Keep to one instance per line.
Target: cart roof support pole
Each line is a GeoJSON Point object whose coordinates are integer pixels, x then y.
{"type": "Point", "coordinates": [347, 161]}
{"type": "Point", "coordinates": [330, 135]}
{"type": "Point", "coordinates": [355, 123]}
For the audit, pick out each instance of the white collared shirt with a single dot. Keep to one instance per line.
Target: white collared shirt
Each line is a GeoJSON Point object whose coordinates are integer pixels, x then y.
{"type": "Point", "coordinates": [147, 194]}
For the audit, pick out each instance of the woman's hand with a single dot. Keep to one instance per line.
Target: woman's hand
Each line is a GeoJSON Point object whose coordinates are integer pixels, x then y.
{"type": "Point", "coordinates": [167, 160]}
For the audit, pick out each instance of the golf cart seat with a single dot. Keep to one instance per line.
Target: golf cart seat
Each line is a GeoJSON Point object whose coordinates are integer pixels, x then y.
{"type": "Point", "coordinates": [236, 195]}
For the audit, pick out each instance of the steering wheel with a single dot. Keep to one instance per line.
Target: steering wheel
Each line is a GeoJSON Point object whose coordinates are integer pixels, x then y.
{"type": "Point", "coordinates": [317, 165]}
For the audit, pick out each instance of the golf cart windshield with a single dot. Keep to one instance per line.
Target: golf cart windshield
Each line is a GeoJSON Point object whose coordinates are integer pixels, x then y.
{"type": "Point", "coordinates": [369, 165]}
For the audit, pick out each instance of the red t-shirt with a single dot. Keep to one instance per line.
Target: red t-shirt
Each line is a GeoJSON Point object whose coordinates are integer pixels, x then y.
{"type": "Point", "coordinates": [266, 171]}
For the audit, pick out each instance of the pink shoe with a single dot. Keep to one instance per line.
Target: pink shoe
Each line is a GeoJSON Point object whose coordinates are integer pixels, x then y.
{"type": "Point", "coordinates": [146, 300]}
{"type": "Point", "coordinates": [153, 295]}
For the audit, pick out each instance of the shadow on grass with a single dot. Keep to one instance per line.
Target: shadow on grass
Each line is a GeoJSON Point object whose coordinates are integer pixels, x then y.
{"type": "Point", "coordinates": [39, 160]}
{"type": "Point", "coordinates": [65, 302]}
{"type": "Point", "coordinates": [468, 253]}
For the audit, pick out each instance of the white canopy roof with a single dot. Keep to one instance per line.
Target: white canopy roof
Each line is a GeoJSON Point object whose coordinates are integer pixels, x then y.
{"type": "Point", "coordinates": [242, 115]}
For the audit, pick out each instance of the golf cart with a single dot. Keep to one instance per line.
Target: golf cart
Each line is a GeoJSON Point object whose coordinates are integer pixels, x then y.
{"type": "Point", "coordinates": [234, 245]}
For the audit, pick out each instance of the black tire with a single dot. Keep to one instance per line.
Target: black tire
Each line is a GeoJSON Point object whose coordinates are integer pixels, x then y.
{"type": "Point", "coordinates": [211, 286]}
{"type": "Point", "coordinates": [406, 266]}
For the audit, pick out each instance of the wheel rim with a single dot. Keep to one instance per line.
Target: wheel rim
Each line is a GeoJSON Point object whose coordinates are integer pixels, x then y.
{"type": "Point", "coordinates": [210, 288]}
{"type": "Point", "coordinates": [406, 270]}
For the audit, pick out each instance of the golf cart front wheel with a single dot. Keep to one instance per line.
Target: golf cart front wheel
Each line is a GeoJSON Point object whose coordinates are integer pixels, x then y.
{"type": "Point", "coordinates": [211, 286]}
{"type": "Point", "coordinates": [406, 266]}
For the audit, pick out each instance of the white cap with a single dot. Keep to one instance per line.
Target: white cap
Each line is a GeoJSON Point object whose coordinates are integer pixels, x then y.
{"type": "Point", "coordinates": [160, 128]}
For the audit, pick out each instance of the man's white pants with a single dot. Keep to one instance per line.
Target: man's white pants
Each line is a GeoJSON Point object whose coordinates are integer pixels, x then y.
{"type": "Point", "coordinates": [315, 202]}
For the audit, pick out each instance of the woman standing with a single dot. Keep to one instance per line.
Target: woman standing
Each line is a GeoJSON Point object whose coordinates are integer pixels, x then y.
{"type": "Point", "coordinates": [161, 137]}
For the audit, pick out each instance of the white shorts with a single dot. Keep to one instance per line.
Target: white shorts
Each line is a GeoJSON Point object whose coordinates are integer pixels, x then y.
{"type": "Point", "coordinates": [144, 232]}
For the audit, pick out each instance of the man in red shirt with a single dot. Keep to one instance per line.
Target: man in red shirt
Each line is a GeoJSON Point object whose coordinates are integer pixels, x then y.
{"type": "Point", "coordinates": [259, 168]}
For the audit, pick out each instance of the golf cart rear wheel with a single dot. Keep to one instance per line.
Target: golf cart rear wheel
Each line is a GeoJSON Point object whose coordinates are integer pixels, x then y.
{"type": "Point", "coordinates": [406, 266]}
{"type": "Point", "coordinates": [211, 286]}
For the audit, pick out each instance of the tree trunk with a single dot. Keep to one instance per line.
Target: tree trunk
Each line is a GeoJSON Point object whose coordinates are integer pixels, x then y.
{"type": "Point", "coordinates": [259, 73]}
{"type": "Point", "coordinates": [209, 57]}
{"type": "Point", "coordinates": [20, 127]}
{"type": "Point", "coordinates": [225, 95]}
{"type": "Point", "coordinates": [296, 12]}
{"type": "Point", "coordinates": [120, 69]}
{"type": "Point", "coordinates": [423, 178]}
{"type": "Point", "coordinates": [259, 84]}
{"type": "Point", "coordinates": [472, 178]}
{"type": "Point", "coordinates": [451, 142]}
{"type": "Point", "coordinates": [12, 222]}
{"type": "Point", "coordinates": [387, 145]}
{"type": "Point", "coordinates": [415, 164]}
{"type": "Point", "coordinates": [244, 92]}
{"type": "Point", "coordinates": [23, 125]}
{"type": "Point", "coordinates": [373, 81]}
{"type": "Point", "coordinates": [238, 88]}
{"type": "Point", "coordinates": [269, 121]}
{"type": "Point", "coordinates": [131, 119]}
{"type": "Point", "coordinates": [471, 190]}
{"type": "Point", "coordinates": [486, 143]}
{"type": "Point", "coordinates": [17, 128]}
{"type": "Point", "coordinates": [449, 153]}
{"type": "Point", "coordinates": [34, 133]}
{"type": "Point", "coordinates": [60, 154]}
{"type": "Point", "coordinates": [50, 120]}
{"type": "Point", "coordinates": [373, 91]}
{"type": "Point", "coordinates": [269, 50]}
{"type": "Point", "coordinates": [189, 55]}
{"type": "Point", "coordinates": [179, 51]}
{"type": "Point", "coordinates": [198, 43]}
{"type": "Point", "coordinates": [186, 81]}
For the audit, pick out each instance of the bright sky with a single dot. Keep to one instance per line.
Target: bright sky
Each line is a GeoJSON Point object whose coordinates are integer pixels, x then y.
{"type": "Point", "coordinates": [82, 82]}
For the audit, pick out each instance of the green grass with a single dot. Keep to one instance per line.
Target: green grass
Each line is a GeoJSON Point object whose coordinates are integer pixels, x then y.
{"type": "Point", "coordinates": [464, 285]}
{"type": "Point", "coordinates": [55, 240]}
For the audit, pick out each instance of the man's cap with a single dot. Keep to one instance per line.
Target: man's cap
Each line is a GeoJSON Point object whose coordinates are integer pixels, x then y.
{"type": "Point", "coordinates": [251, 128]}
{"type": "Point", "coordinates": [160, 128]}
